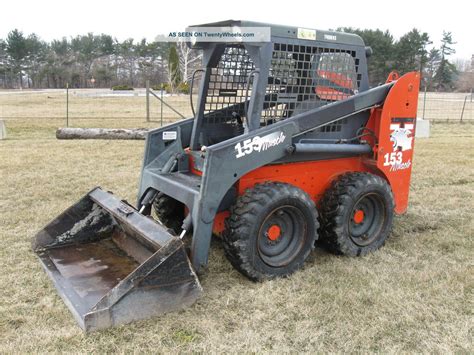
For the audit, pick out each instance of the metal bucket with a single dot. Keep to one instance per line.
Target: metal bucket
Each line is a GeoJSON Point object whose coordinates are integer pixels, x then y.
{"type": "Point", "coordinates": [113, 265]}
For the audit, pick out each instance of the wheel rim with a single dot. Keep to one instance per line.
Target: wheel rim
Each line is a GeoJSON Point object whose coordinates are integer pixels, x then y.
{"type": "Point", "coordinates": [367, 219]}
{"type": "Point", "coordinates": [281, 236]}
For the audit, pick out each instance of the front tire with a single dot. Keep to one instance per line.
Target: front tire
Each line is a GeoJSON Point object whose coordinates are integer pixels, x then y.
{"type": "Point", "coordinates": [169, 211]}
{"type": "Point", "coordinates": [356, 214]}
{"type": "Point", "coordinates": [271, 231]}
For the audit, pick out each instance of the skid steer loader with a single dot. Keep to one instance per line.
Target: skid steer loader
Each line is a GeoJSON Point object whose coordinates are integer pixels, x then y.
{"type": "Point", "coordinates": [288, 145]}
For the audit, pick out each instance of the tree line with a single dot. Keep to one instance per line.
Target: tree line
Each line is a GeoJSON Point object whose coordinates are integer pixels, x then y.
{"type": "Point", "coordinates": [103, 61]}
{"type": "Point", "coordinates": [414, 52]}
{"type": "Point", "coordinates": [90, 61]}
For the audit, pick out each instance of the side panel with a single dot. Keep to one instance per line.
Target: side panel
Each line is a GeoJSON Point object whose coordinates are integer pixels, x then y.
{"type": "Point", "coordinates": [396, 134]}
{"type": "Point", "coordinates": [313, 177]}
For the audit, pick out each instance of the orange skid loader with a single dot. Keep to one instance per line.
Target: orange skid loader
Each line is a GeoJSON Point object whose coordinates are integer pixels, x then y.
{"type": "Point", "coordinates": [288, 146]}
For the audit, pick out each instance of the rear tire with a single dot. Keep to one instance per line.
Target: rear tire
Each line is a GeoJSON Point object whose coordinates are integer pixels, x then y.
{"type": "Point", "coordinates": [356, 214]}
{"type": "Point", "coordinates": [271, 231]}
{"type": "Point", "coordinates": [169, 211]}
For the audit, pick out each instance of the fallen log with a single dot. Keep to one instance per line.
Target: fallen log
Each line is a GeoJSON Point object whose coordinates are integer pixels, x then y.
{"type": "Point", "coordinates": [101, 133]}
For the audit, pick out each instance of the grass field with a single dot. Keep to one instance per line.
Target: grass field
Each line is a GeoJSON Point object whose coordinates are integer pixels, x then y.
{"type": "Point", "coordinates": [103, 104]}
{"type": "Point", "coordinates": [88, 104]}
{"type": "Point", "coordinates": [414, 295]}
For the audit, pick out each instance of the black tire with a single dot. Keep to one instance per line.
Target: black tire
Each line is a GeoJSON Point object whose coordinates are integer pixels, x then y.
{"type": "Point", "coordinates": [271, 230]}
{"type": "Point", "coordinates": [169, 211]}
{"type": "Point", "coordinates": [356, 214]}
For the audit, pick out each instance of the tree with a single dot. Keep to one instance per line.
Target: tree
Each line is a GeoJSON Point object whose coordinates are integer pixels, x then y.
{"type": "Point", "coordinates": [431, 67]}
{"type": "Point", "coordinates": [89, 48]}
{"type": "Point", "coordinates": [36, 56]}
{"type": "Point", "coordinates": [465, 77]}
{"type": "Point", "coordinates": [174, 71]}
{"type": "Point", "coordinates": [151, 57]}
{"type": "Point", "coordinates": [17, 50]}
{"type": "Point", "coordinates": [103, 65]}
{"type": "Point", "coordinates": [127, 58]}
{"type": "Point", "coordinates": [60, 65]}
{"type": "Point", "coordinates": [28, 60]}
{"type": "Point", "coordinates": [462, 65]}
{"type": "Point", "coordinates": [410, 52]}
{"type": "Point", "coordinates": [381, 62]}
{"type": "Point", "coordinates": [3, 63]}
{"type": "Point", "coordinates": [465, 81]}
{"type": "Point", "coordinates": [189, 59]}
{"type": "Point", "coordinates": [445, 75]}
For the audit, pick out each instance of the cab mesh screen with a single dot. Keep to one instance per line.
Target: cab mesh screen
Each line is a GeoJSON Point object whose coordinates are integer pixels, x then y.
{"type": "Point", "coordinates": [301, 78]}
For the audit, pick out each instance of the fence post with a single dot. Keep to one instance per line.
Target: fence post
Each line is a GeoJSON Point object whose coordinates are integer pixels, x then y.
{"type": "Point", "coordinates": [424, 103]}
{"type": "Point", "coordinates": [463, 106]}
{"type": "Point", "coordinates": [3, 130]}
{"type": "Point", "coordinates": [161, 106]}
{"type": "Point", "coordinates": [147, 83]}
{"type": "Point", "coordinates": [471, 95]}
{"type": "Point", "coordinates": [67, 104]}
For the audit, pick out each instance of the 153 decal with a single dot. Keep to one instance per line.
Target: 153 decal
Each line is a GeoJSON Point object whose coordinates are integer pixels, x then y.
{"type": "Point", "coordinates": [258, 144]}
{"type": "Point", "coordinates": [401, 137]}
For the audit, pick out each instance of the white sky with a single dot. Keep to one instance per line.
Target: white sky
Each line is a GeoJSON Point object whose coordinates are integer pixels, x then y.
{"type": "Point", "coordinates": [52, 19]}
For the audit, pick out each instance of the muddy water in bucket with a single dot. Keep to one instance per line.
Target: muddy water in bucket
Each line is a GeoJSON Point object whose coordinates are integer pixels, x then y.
{"type": "Point", "coordinates": [92, 269]}
{"type": "Point", "coordinates": [112, 265]}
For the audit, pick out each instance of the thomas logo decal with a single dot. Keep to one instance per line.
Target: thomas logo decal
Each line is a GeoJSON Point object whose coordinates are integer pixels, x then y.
{"type": "Point", "coordinates": [401, 137]}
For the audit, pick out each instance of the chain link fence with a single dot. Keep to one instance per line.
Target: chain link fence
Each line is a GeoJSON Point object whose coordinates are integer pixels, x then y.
{"type": "Point", "coordinates": [104, 107]}
{"type": "Point", "coordinates": [446, 107]}
{"type": "Point", "coordinates": [92, 107]}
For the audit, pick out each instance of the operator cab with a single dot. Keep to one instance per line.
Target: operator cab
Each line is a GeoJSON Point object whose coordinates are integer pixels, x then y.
{"type": "Point", "coordinates": [248, 85]}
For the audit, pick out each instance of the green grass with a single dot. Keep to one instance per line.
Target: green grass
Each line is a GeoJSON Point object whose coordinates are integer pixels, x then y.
{"type": "Point", "coordinates": [414, 295]}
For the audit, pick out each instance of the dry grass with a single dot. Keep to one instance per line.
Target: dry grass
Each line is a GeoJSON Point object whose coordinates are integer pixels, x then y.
{"type": "Point", "coordinates": [415, 294]}
{"type": "Point", "coordinates": [88, 104]}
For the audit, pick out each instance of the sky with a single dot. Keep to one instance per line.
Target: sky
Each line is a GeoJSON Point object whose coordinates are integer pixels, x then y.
{"type": "Point", "coordinates": [53, 19]}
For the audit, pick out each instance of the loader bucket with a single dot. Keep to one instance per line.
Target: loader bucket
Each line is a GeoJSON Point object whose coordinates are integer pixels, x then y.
{"type": "Point", "coordinates": [113, 265]}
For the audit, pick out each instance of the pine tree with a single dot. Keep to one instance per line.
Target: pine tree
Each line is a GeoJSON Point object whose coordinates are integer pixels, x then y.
{"type": "Point", "coordinates": [17, 50]}
{"type": "Point", "coordinates": [432, 65]}
{"type": "Point", "coordinates": [173, 67]}
{"type": "Point", "coordinates": [445, 75]}
{"type": "Point", "coordinates": [3, 62]}
{"type": "Point", "coordinates": [410, 51]}
{"type": "Point", "coordinates": [381, 62]}
{"type": "Point", "coordinates": [36, 57]}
